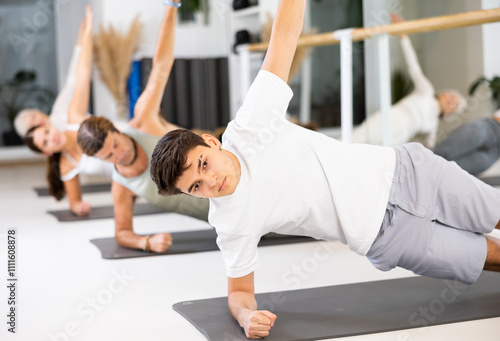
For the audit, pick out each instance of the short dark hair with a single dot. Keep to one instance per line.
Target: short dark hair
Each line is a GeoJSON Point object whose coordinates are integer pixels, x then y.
{"type": "Point", "coordinates": [169, 159]}
{"type": "Point", "coordinates": [92, 133]}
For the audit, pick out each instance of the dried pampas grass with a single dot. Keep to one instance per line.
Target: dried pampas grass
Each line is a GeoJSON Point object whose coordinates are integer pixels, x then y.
{"type": "Point", "coordinates": [113, 53]}
{"type": "Point", "coordinates": [301, 53]}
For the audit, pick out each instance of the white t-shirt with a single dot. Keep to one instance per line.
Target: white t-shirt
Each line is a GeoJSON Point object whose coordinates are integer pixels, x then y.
{"type": "Point", "coordinates": [296, 181]}
{"type": "Point", "coordinates": [417, 113]}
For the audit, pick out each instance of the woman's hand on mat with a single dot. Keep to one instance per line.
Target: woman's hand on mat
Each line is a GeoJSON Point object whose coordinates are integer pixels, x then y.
{"type": "Point", "coordinates": [258, 323]}
{"type": "Point", "coordinates": [160, 242]}
{"type": "Point", "coordinates": [81, 208]}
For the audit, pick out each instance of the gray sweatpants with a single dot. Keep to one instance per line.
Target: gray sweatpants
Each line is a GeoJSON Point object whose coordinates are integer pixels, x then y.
{"type": "Point", "coordinates": [436, 218]}
{"type": "Point", "coordinates": [475, 146]}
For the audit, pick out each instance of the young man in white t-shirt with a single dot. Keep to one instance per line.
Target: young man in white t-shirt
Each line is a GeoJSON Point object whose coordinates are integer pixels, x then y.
{"type": "Point", "coordinates": [394, 205]}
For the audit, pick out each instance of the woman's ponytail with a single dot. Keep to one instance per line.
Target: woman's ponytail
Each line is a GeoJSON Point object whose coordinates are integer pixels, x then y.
{"type": "Point", "coordinates": [56, 186]}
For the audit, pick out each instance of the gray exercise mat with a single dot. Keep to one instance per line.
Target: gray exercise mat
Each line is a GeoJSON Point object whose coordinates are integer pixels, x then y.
{"type": "Point", "coordinates": [354, 309]}
{"type": "Point", "coordinates": [94, 188]}
{"type": "Point", "coordinates": [186, 242]}
{"type": "Point", "coordinates": [491, 180]}
{"type": "Point", "coordinates": [102, 212]}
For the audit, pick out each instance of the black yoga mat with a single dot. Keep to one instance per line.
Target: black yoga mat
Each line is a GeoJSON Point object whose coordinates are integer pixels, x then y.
{"type": "Point", "coordinates": [354, 309]}
{"type": "Point", "coordinates": [491, 180]}
{"type": "Point", "coordinates": [102, 212]}
{"type": "Point", "coordinates": [186, 242]}
{"type": "Point", "coordinates": [95, 188]}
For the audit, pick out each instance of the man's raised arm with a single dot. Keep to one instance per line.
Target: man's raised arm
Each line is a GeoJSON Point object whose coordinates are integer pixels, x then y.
{"type": "Point", "coordinates": [148, 104]}
{"type": "Point", "coordinates": [287, 27]}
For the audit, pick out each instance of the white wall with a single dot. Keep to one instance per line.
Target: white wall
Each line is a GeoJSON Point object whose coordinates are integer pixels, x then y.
{"type": "Point", "coordinates": [192, 40]}
{"type": "Point", "coordinates": [449, 58]}
{"type": "Point", "coordinates": [491, 47]}
{"type": "Point", "coordinates": [376, 13]}
{"type": "Point", "coordinates": [69, 15]}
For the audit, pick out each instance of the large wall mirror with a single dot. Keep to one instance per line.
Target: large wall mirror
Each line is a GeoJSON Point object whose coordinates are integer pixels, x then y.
{"type": "Point", "coordinates": [28, 72]}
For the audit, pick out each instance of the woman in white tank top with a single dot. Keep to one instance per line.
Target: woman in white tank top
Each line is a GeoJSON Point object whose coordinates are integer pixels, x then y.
{"type": "Point", "coordinates": [65, 158]}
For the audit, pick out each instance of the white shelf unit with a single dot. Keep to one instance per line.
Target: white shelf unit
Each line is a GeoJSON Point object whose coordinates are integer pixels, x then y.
{"type": "Point", "coordinates": [244, 19]}
{"type": "Point", "coordinates": [249, 11]}
{"type": "Point", "coordinates": [250, 19]}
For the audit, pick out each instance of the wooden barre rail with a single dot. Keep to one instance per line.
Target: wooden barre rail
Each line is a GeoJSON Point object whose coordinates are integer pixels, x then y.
{"type": "Point", "coordinates": [406, 27]}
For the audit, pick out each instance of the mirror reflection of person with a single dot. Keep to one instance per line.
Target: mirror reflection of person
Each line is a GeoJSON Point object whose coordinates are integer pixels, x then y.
{"type": "Point", "coordinates": [416, 113]}
{"type": "Point", "coordinates": [474, 146]}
